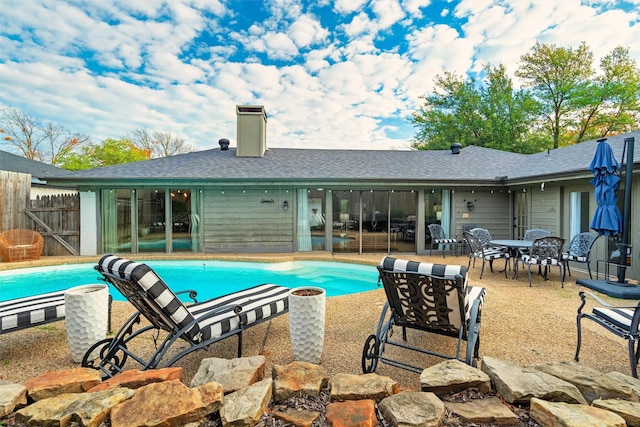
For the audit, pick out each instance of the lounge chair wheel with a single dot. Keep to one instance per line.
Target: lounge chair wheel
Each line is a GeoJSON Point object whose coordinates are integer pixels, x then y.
{"type": "Point", "coordinates": [113, 364]}
{"type": "Point", "coordinates": [370, 354]}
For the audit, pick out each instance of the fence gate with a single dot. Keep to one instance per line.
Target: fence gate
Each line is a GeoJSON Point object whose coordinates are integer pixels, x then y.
{"type": "Point", "coordinates": [57, 218]}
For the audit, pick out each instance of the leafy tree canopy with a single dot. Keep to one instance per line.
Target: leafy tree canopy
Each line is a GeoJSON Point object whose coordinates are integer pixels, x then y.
{"type": "Point", "coordinates": [110, 152]}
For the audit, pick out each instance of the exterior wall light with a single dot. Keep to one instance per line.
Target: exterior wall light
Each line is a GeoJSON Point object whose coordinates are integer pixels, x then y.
{"type": "Point", "coordinates": [285, 205]}
{"type": "Point", "coordinates": [470, 205]}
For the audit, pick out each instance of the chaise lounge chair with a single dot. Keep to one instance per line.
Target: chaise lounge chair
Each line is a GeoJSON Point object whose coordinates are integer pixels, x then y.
{"type": "Point", "coordinates": [199, 324]}
{"type": "Point", "coordinates": [427, 297]}
{"type": "Point", "coordinates": [21, 313]}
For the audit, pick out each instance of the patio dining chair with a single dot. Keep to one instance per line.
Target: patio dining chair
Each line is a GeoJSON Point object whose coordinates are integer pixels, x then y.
{"type": "Point", "coordinates": [545, 252]}
{"type": "Point", "coordinates": [197, 324]}
{"type": "Point", "coordinates": [425, 297]}
{"type": "Point", "coordinates": [478, 251]}
{"type": "Point", "coordinates": [438, 238]}
{"type": "Point", "coordinates": [623, 321]}
{"type": "Point", "coordinates": [579, 250]}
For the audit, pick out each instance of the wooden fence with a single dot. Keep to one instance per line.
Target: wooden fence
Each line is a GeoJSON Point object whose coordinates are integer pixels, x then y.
{"type": "Point", "coordinates": [56, 217]}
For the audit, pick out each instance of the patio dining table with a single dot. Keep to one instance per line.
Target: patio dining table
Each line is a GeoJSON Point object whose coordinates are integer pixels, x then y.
{"type": "Point", "coordinates": [513, 245]}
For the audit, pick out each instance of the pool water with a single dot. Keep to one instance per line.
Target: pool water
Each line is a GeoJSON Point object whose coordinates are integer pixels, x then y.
{"type": "Point", "coordinates": [209, 278]}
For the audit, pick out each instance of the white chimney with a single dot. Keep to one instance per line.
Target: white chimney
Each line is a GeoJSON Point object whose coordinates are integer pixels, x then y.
{"type": "Point", "coordinates": [252, 131]}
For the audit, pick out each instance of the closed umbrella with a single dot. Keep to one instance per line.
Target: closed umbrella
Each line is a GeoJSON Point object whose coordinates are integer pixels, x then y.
{"type": "Point", "coordinates": [607, 220]}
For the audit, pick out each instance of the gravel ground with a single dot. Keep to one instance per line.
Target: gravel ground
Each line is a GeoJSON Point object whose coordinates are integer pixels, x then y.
{"type": "Point", "coordinates": [520, 324]}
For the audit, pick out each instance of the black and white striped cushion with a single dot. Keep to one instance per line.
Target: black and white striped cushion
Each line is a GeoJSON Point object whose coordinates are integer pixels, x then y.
{"type": "Point", "coordinates": [155, 289]}
{"type": "Point", "coordinates": [396, 264]}
{"type": "Point", "coordinates": [570, 257]}
{"type": "Point", "coordinates": [257, 303]}
{"type": "Point", "coordinates": [445, 241]}
{"type": "Point", "coordinates": [621, 317]}
{"type": "Point", "coordinates": [25, 312]}
{"type": "Point", "coordinates": [530, 260]}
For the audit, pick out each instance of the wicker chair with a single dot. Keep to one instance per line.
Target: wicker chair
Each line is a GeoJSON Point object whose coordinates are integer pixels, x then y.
{"type": "Point", "coordinates": [20, 245]}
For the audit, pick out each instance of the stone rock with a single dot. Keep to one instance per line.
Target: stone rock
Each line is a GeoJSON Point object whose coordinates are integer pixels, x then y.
{"type": "Point", "coordinates": [453, 375]}
{"type": "Point", "coordinates": [297, 377]}
{"type": "Point", "coordinates": [630, 411]}
{"type": "Point", "coordinates": [87, 409]}
{"type": "Point", "coordinates": [54, 383]}
{"type": "Point", "coordinates": [352, 413]}
{"type": "Point", "coordinates": [299, 418]}
{"type": "Point", "coordinates": [572, 415]}
{"type": "Point", "coordinates": [233, 374]}
{"type": "Point", "coordinates": [412, 408]}
{"type": "Point", "coordinates": [245, 407]}
{"type": "Point", "coordinates": [519, 385]}
{"type": "Point", "coordinates": [135, 378]}
{"type": "Point", "coordinates": [484, 411]}
{"type": "Point", "coordinates": [11, 395]}
{"type": "Point", "coordinates": [365, 386]}
{"type": "Point", "coordinates": [149, 406]}
{"type": "Point", "coordinates": [591, 383]}
{"type": "Point", "coordinates": [625, 379]}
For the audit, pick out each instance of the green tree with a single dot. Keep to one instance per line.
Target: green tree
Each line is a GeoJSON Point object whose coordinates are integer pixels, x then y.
{"type": "Point", "coordinates": [110, 152]}
{"type": "Point", "coordinates": [611, 103]}
{"type": "Point", "coordinates": [450, 114]}
{"type": "Point", "coordinates": [46, 142]}
{"type": "Point", "coordinates": [559, 78]}
{"type": "Point", "coordinates": [489, 113]}
{"type": "Point", "coordinates": [160, 143]}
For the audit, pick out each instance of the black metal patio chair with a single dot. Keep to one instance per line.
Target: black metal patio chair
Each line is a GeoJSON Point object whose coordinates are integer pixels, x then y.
{"type": "Point", "coordinates": [623, 321]}
{"type": "Point", "coordinates": [198, 324]}
{"type": "Point", "coordinates": [430, 298]}
{"type": "Point", "coordinates": [579, 250]}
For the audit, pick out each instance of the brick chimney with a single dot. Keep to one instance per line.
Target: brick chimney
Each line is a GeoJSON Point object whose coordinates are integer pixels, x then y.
{"type": "Point", "coordinates": [251, 131]}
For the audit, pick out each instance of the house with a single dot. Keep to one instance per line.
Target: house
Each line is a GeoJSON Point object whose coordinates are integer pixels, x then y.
{"type": "Point", "coordinates": [251, 198]}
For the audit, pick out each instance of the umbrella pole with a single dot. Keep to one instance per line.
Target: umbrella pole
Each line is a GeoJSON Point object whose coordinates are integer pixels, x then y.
{"type": "Point", "coordinates": [626, 215]}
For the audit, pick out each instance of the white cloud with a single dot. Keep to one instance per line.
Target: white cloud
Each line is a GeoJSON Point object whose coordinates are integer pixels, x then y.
{"type": "Point", "coordinates": [341, 81]}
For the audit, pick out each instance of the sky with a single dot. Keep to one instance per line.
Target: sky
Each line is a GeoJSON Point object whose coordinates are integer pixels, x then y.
{"type": "Point", "coordinates": [343, 74]}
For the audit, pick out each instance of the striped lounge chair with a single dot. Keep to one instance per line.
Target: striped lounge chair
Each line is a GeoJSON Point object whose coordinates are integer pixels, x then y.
{"type": "Point", "coordinates": [622, 321]}
{"type": "Point", "coordinates": [198, 324]}
{"type": "Point", "coordinates": [31, 311]}
{"type": "Point", "coordinates": [426, 297]}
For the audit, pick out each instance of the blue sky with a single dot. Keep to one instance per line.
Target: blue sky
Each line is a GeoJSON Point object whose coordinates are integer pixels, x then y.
{"type": "Point", "coordinates": [331, 74]}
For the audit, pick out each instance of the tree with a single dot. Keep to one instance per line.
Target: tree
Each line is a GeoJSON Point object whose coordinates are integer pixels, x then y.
{"type": "Point", "coordinates": [489, 113]}
{"type": "Point", "coordinates": [450, 114]}
{"type": "Point", "coordinates": [611, 103]}
{"type": "Point", "coordinates": [46, 142]}
{"type": "Point", "coordinates": [160, 143]}
{"type": "Point", "coordinates": [559, 78]}
{"type": "Point", "coordinates": [110, 152]}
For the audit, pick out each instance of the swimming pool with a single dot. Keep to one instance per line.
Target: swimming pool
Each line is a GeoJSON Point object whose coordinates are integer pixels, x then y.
{"type": "Point", "coordinates": [208, 278]}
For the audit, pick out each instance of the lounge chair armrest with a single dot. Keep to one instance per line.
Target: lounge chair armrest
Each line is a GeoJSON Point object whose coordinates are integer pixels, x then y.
{"type": "Point", "coordinates": [192, 294]}
{"type": "Point", "coordinates": [584, 294]}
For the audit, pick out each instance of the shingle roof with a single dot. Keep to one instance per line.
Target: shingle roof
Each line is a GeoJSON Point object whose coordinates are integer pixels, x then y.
{"type": "Point", "coordinates": [282, 164]}
{"type": "Point", "coordinates": [12, 163]}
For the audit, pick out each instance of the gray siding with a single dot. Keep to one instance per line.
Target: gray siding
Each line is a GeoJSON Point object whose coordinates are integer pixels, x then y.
{"type": "Point", "coordinates": [491, 211]}
{"type": "Point", "coordinates": [237, 221]}
{"type": "Point", "coordinates": [544, 208]}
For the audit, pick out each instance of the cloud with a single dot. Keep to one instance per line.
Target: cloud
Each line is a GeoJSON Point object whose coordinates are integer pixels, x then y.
{"type": "Point", "coordinates": [345, 74]}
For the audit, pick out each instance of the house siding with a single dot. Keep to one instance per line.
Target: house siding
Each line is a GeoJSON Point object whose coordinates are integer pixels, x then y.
{"type": "Point", "coordinates": [491, 211]}
{"type": "Point", "coordinates": [248, 220]}
{"type": "Point", "coordinates": [544, 207]}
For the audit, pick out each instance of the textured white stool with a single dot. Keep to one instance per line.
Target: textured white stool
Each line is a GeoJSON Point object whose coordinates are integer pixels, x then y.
{"type": "Point", "coordinates": [87, 312]}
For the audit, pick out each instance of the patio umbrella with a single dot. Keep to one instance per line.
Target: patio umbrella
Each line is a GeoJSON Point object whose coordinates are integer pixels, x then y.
{"type": "Point", "coordinates": [607, 220]}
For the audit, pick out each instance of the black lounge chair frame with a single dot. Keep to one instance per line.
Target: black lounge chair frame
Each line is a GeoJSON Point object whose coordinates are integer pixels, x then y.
{"type": "Point", "coordinates": [623, 321]}
{"type": "Point", "coordinates": [426, 297]}
{"type": "Point", "coordinates": [199, 324]}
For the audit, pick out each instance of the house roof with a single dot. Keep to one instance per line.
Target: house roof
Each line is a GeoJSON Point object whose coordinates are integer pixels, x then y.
{"type": "Point", "coordinates": [473, 164]}
{"type": "Point", "coordinates": [13, 163]}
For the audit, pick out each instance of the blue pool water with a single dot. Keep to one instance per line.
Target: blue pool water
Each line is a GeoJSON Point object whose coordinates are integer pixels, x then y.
{"type": "Point", "coordinates": [208, 278]}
